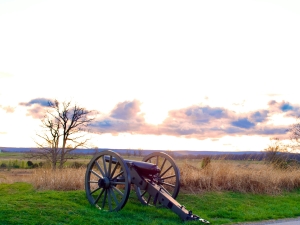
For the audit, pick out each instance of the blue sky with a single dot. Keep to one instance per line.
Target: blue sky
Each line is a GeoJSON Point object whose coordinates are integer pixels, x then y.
{"type": "Point", "coordinates": [198, 75]}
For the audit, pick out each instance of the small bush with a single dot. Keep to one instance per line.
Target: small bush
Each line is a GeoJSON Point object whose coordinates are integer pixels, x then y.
{"type": "Point", "coordinates": [3, 165]}
{"type": "Point", "coordinates": [29, 164]}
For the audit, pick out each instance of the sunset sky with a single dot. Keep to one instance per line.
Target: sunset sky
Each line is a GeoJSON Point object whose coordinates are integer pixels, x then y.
{"type": "Point", "coordinates": [171, 75]}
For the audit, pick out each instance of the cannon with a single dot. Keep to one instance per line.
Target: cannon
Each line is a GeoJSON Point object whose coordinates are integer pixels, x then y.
{"type": "Point", "coordinates": [109, 178]}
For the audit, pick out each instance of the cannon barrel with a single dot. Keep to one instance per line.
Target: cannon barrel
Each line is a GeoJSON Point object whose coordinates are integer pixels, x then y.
{"type": "Point", "coordinates": [144, 168]}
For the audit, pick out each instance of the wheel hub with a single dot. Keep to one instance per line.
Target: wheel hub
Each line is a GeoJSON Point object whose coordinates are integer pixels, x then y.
{"type": "Point", "coordinates": [104, 183]}
{"type": "Point", "coordinates": [160, 181]}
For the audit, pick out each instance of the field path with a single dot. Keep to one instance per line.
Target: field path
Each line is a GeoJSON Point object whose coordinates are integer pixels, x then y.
{"type": "Point", "coordinates": [294, 221]}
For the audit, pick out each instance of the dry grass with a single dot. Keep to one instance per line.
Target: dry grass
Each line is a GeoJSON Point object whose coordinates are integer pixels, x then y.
{"type": "Point", "coordinates": [15, 175]}
{"type": "Point", "coordinates": [61, 180]}
{"type": "Point", "coordinates": [220, 175]}
{"type": "Point", "coordinates": [230, 176]}
{"type": "Point", "coordinates": [47, 179]}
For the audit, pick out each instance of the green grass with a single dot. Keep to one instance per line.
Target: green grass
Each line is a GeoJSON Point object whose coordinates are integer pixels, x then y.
{"type": "Point", "coordinates": [12, 155]}
{"type": "Point", "coordinates": [21, 204]}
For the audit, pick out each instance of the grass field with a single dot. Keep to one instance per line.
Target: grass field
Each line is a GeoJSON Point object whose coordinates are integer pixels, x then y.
{"type": "Point", "coordinates": [20, 203]}
{"type": "Point", "coordinates": [220, 175]}
{"type": "Point", "coordinates": [225, 192]}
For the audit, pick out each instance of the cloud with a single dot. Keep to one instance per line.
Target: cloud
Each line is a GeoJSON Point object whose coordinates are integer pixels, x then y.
{"type": "Point", "coordinates": [284, 107]}
{"type": "Point", "coordinates": [125, 117]}
{"type": "Point", "coordinates": [204, 114]}
{"type": "Point", "coordinates": [38, 101]}
{"type": "Point", "coordinates": [271, 130]}
{"type": "Point", "coordinates": [36, 111]}
{"type": "Point", "coordinates": [126, 110]}
{"type": "Point", "coordinates": [259, 116]}
{"type": "Point", "coordinates": [36, 107]}
{"type": "Point", "coordinates": [200, 122]}
{"type": "Point", "coordinates": [8, 109]}
{"type": "Point", "coordinates": [243, 123]}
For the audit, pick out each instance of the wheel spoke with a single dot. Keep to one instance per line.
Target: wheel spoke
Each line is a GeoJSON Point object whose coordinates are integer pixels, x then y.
{"type": "Point", "coordinates": [100, 169]}
{"type": "Point", "coordinates": [92, 171]}
{"type": "Point", "coordinates": [166, 171]}
{"type": "Point", "coordinates": [120, 192]}
{"type": "Point", "coordinates": [168, 184]}
{"type": "Point", "coordinates": [168, 177]}
{"type": "Point", "coordinates": [166, 190]}
{"type": "Point", "coordinates": [95, 190]}
{"type": "Point", "coordinates": [109, 200]}
{"type": "Point", "coordinates": [114, 170]}
{"type": "Point", "coordinates": [99, 196]}
{"type": "Point", "coordinates": [93, 182]}
{"type": "Point", "coordinates": [114, 197]}
{"type": "Point", "coordinates": [104, 199]}
{"type": "Point", "coordinates": [104, 165]}
{"type": "Point", "coordinates": [115, 183]}
{"type": "Point", "coordinates": [119, 174]}
{"type": "Point", "coordinates": [157, 160]}
{"type": "Point", "coordinates": [162, 167]}
{"type": "Point", "coordinates": [109, 166]}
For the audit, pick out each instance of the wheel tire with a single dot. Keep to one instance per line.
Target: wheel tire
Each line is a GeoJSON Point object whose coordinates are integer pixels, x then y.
{"type": "Point", "coordinates": [169, 177]}
{"type": "Point", "coordinates": [107, 181]}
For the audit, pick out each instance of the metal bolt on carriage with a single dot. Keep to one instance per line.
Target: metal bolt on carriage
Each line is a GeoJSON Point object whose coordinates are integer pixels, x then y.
{"type": "Point", "coordinates": [109, 178]}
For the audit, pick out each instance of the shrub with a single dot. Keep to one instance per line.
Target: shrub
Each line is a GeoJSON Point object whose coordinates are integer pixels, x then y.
{"type": "Point", "coordinates": [3, 165]}
{"type": "Point", "coordinates": [29, 164]}
{"type": "Point", "coordinates": [277, 154]}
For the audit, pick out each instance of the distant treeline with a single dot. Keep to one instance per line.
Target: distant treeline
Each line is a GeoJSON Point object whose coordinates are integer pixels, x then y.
{"type": "Point", "coordinates": [216, 155]}
{"type": "Point", "coordinates": [247, 156]}
{"type": "Point", "coordinates": [253, 156]}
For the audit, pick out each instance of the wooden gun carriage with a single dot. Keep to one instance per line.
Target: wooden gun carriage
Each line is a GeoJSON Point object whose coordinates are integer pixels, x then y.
{"type": "Point", "coordinates": [109, 178]}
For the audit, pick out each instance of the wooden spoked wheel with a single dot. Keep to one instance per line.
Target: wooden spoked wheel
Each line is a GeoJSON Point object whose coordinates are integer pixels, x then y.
{"type": "Point", "coordinates": [107, 181]}
{"type": "Point", "coordinates": [168, 179]}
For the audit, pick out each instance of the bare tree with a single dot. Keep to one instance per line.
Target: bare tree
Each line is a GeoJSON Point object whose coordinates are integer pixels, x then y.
{"type": "Point", "coordinates": [276, 152]}
{"type": "Point", "coordinates": [294, 132]}
{"type": "Point", "coordinates": [64, 130]}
